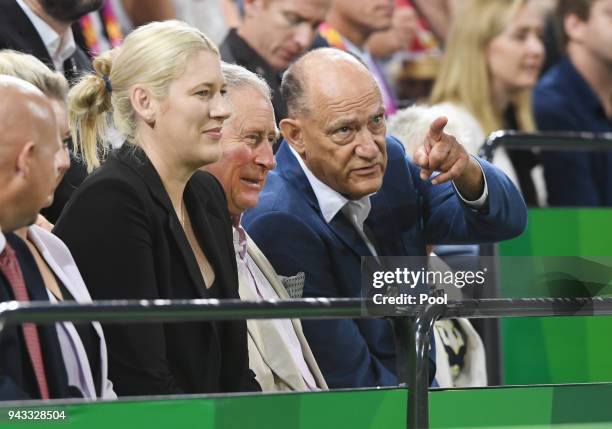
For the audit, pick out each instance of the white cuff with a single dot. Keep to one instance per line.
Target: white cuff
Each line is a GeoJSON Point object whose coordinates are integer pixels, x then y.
{"type": "Point", "coordinates": [481, 201]}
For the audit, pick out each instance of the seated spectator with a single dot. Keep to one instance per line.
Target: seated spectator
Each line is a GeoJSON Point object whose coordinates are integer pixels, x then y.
{"type": "Point", "coordinates": [409, 53]}
{"type": "Point", "coordinates": [348, 26]}
{"type": "Point", "coordinates": [31, 364]}
{"type": "Point", "coordinates": [271, 36]}
{"type": "Point", "coordinates": [488, 70]}
{"type": "Point", "coordinates": [83, 345]}
{"type": "Point", "coordinates": [43, 28]}
{"type": "Point", "coordinates": [342, 190]}
{"type": "Point", "coordinates": [214, 18]}
{"type": "Point", "coordinates": [576, 95]}
{"type": "Point", "coordinates": [278, 351]}
{"type": "Point", "coordinates": [137, 228]}
{"type": "Point", "coordinates": [438, 14]}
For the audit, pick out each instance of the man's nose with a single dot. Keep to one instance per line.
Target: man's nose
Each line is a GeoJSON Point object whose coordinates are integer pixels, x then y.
{"type": "Point", "coordinates": [63, 160]}
{"type": "Point", "coordinates": [367, 147]}
{"type": "Point", "coordinates": [304, 35]}
{"type": "Point", "coordinates": [265, 156]}
{"type": "Point", "coordinates": [220, 107]}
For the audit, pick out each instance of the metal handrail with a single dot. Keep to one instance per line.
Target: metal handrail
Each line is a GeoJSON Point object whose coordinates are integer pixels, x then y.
{"type": "Point", "coordinates": [411, 324]}
{"type": "Point", "coordinates": [558, 141]}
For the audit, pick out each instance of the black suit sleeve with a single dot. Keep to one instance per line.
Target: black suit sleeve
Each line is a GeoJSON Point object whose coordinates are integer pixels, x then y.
{"type": "Point", "coordinates": [109, 232]}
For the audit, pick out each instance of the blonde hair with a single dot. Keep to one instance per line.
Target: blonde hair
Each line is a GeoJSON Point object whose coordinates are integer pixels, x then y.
{"type": "Point", "coordinates": [152, 55]}
{"type": "Point", "coordinates": [34, 71]}
{"type": "Point", "coordinates": [464, 76]}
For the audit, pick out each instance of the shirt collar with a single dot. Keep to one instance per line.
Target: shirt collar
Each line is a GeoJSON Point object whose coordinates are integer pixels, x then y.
{"type": "Point", "coordinates": [2, 241]}
{"type": "Point", "coordinates": [59, 48]}
{"type": "Point", "coordinates": [330, 201]}
{"type": "Point", "coordinates": [239, 237]}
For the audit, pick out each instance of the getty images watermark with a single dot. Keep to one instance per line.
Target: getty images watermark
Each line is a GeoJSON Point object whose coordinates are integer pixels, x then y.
{"type": "Point", "coordinates": [389, 283]}
{"type": "Point", "coordinates": [411, 278]}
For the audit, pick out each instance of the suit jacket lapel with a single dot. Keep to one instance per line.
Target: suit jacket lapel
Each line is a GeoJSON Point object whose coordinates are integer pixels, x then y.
{"type": "Point", "coordinates": [268, 271]}
{"type": "Point", "coordinates": [206, 226]}
{"type": "Point", "coordinates": [80, 294]}
{"type": "Point", "coordinates": [290, 168]}
{"type": "Point", "coordinates": [137, 160]}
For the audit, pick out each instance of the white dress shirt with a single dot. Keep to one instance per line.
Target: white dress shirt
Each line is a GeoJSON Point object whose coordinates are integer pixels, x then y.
{"type": "Point", "coordinates": [250, 273]}
{"type": "Point", "coordinates": [331, 202]}
{"type": "Point", "coordinates": [60, 48]}
{"type": "Point", "coordinates": [2, 241]}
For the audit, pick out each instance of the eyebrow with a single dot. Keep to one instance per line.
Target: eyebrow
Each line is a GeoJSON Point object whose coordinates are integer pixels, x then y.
{"type": "Point", "coordinates": [380, 111]}
{"type": "Point", "coordinates": [341, 123]}
{"type": "Point", "coordinates": [206, 84]}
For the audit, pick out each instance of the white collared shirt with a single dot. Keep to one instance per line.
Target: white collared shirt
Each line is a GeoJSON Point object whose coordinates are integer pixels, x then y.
{"type": "Point", "coordinates": [59, 48]}
{"type": "Point", "coordinates": [249, 272]}
{"type": "Point", "coordinates": [2, 241]}
{"type": "Point", "coordinates": [331, 202]}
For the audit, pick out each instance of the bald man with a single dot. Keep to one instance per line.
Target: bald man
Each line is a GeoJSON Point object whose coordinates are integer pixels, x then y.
{"type": "Point", "coordinates": [31, 365]}
{"type": "Point", "coordinates": [342, 190]}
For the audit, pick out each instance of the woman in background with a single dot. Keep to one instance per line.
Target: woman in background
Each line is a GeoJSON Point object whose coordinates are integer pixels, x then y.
{"type": "Point", "coordinates": [131, 225]}
{"type": "Point", "coordinates": [490, 65]}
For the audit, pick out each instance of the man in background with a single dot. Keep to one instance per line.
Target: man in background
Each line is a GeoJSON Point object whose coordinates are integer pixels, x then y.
{"type": "Point", "coordinates": [348, 26]}
{"type": "Point", "coordinates": [576, 95]}
{"type": "Point", "coordinates": [273, 34]}
{"type": "Point", "coordinates": [43, 29]}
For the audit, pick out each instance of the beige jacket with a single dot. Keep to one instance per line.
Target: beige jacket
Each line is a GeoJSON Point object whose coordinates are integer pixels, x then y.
{"type": "Point", "coordinates": [269, 357]}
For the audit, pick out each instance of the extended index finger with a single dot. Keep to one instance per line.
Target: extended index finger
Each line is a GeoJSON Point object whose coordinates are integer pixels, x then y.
{"type": "Point", "coordinates": [436, 129]}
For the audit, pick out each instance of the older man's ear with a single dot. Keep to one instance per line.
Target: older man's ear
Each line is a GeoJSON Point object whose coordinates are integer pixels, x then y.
{"type": "Point", "coordinates": [291, 130]}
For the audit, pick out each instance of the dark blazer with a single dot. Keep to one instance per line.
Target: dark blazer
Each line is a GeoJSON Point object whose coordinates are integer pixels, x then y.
{"type": "Point", "coordinates": [18, 33]}
{"type": "Point", "coordinates": [564, 101]}
{"type": "Point", "coordinates": [236, 50]}
{"type": "Point", "coordinates": [128, 244]}
{"type": "Point", "coordinates": [407, 213]}
{"type": "Point", "coordinates": [17, 380]}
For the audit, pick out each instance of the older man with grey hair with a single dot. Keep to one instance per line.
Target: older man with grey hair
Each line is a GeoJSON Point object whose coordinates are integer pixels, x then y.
{"type": "Point", "coordinates": [278, 351]}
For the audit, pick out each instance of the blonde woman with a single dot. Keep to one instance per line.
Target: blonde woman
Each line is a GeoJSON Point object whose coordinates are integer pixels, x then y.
{"type": "Point", "coordinates": [137, 228]}
{"type": "Point", "coordinates": [83, 346]}
{"type": "Point", "coordinates": [491, 63]}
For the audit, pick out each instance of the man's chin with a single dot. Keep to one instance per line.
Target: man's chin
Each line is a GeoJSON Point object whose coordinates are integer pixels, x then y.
{"type": "Point", "coordinates": [362, 191]}
{"type": "Point", "coordinates": [48, 202]}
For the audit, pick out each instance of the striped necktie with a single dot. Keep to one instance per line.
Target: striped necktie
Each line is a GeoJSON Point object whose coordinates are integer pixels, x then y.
{"type": "Point", "coordinates": [9, 266]}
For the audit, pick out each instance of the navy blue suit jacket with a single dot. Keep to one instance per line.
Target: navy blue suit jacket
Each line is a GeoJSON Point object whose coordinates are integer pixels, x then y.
{"type": "Point", "coordinates": [564, 101]}
{"type": "Point", "coordinates": [17, 380]}
{"type": "Point", "coordinates": [407, 213]}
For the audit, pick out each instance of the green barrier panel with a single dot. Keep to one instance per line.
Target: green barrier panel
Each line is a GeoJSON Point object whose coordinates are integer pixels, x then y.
{"type": "Point", "coordinates": [558, 350]}
{"type": "Point", "coordinates": [367, 409]}
{"type": "Point", "coordinates": [577, 406]}
{"type": "Point", "coordinates": [573, 406]}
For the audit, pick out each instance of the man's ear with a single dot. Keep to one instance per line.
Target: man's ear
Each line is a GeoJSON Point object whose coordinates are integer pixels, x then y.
{"type": "Point", "coordinates": [574, 28]}
{"type": "Point", "coordinates": [143, 104]}
{"type": "Point", "coordinates": [291, 129]}
{"type": "Point", "coordinates": [25, 160]}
